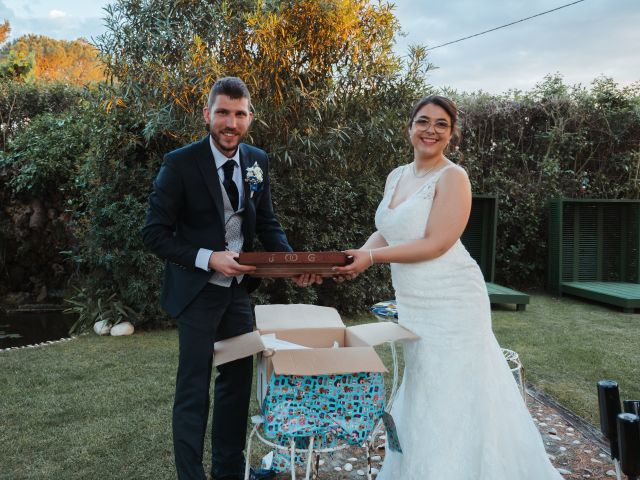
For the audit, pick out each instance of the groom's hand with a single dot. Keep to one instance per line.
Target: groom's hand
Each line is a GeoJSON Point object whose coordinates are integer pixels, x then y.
{"type": "Point", "coordinates": [341, 278]}
{"type": "Point", "coordinates": [225, 263]}
{"type": "Point", "coordinates": [307, 279]}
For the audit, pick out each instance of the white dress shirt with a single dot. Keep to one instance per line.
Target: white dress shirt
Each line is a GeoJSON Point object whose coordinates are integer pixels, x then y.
{"type": "Point", "coordinates": [202, 259]}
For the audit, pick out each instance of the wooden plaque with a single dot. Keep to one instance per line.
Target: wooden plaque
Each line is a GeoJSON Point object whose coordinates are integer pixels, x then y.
{"type": "Point", "coordinates": [289, 264]}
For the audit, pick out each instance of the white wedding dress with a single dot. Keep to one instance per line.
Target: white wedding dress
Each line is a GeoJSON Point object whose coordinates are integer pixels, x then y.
{"type": "Point", "coordinates": [458, 412]}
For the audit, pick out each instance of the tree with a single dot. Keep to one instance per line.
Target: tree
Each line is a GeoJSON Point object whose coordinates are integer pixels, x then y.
{"type": "Point", "coordinates": [298, 58]}
{"type": "Point", "coordinates": [73, 62]}
{"type": "Point", "coordinates": [330, 99]}
{"type": "Point", "coordinates": [17, 66]}
{"type": "Point", "coordinates": [5, 30]}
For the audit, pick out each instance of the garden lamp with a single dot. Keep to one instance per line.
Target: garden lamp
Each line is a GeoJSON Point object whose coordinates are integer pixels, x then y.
{"type": "Point", "coordinates": [609, 404]}
{"type": "Point", "coordinates": [629, 443]}
{"type": "Point", "coordinates": [631, 406]}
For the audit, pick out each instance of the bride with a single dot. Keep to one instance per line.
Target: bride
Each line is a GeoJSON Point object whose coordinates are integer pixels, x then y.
{"type": "Point", "coordinates": [458, 411]}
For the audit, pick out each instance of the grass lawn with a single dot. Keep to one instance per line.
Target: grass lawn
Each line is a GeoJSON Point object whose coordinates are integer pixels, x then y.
{"type": "Point", "coordinates": [567, 345]}
{"type": "Point", "coordinates": [101, 407]}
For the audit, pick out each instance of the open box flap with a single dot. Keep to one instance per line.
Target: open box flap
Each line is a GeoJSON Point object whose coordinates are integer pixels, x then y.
{"type": "Point", "coordinates": [282, 317]}
{"type": "Point", "coordinates": [311, 337]}
{"type": "Point", "coordinates": [234, 348]}
{"type": "Point", "coordinates": [378, 333]}
{"type": "Point", "coordinates": [325, 361]}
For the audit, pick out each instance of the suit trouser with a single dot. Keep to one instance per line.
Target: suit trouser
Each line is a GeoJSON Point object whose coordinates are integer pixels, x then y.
{"type": "Point", "coordinates": [215, 314]}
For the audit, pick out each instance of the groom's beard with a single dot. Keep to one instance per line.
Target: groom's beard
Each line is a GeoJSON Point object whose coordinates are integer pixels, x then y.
{"type": "Point", "coordinates": [222, 143]}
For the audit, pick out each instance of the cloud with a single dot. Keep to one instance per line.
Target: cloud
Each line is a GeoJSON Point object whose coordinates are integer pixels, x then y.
{"type": "Point", "coordinates": [6, 13]}
{"type": "Point", "coordinates": [65, 27]}
{"type": "Point", "coordinates": [56, 23]}
{"type": "Point", "coordinates": [57, 14]}
{"type": "Point", "coordinates": [580, 42]}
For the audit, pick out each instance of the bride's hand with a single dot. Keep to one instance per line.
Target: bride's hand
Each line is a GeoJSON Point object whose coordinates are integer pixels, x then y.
{"type": "Point", "coordinates": [361, 261]}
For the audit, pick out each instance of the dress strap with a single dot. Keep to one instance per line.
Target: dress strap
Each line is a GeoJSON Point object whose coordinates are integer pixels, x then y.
{"type": "Point", "coordinates": [394, 178]}
{"type": "Point", "coordinates": [427, 190]}
{"type": "Point", "coordinates": [439, 173]}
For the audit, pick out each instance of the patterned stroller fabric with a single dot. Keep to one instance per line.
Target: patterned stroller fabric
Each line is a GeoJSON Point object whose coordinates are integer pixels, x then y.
{"type": "Point", "coordinates": [387, 310]}
{"type": "Point", "coordinates": [333, 408]}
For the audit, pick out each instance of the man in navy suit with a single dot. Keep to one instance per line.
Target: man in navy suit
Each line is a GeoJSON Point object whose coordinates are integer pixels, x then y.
{"type": "Point", "coordinates": [202, 212]}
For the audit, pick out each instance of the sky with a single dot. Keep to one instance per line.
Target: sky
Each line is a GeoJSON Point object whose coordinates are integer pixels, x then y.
{"type": "Point", "coordinates": [581, 42]}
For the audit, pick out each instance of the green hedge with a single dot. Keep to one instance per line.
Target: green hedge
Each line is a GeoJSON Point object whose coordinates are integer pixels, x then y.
{"type": "Point", "coordinates": [21, 102]}
{"type": "Point", "coordinates": [43, 137]}
{"type": "Point", "coordinates": [332, 120]}
{"type": "Point", "coordinates": [524, 147]}
{"type": "Point", "coordinates": [552, 141]}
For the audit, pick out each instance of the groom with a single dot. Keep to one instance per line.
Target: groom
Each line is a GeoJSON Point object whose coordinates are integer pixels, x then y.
{"type": "Point", "coordinates": [201, 213]}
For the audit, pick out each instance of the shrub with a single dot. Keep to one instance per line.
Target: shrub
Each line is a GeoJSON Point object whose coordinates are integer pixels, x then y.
{"type": "Point", "coordinates": [330, 108]}
{"type": "Point", "coordinates": [552, 141]}
{"type": "Point", "coordinates": [39, 170]}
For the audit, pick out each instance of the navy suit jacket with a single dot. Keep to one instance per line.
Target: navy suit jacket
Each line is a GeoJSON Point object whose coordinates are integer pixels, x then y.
{"type": "Point", "coordinates": [186, 213]}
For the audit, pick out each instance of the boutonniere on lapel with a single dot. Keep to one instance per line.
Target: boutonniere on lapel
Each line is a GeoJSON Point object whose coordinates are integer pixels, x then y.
{"type": "Point", "coordinates": [254, 178]}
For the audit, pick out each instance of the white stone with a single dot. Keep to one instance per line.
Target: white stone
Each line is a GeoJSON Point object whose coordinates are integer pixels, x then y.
{"type": "Point", "coordinates": [360, 472]}
{"type": "Point", "coordinates": [320, 462]}
{"type": "Point", "coordinates": [563, 449]}
{"type": "Point", "coordinates": [551, 457]}
{"type": "Point", "coordinates": [383, 437]}
{"type": "Point", "coordinates": [602, 455]}
{"type": "Point", "coordinates": [542, 424]}
{"type": "Point", "coordinates": [352, 459]}
{"type": "Point", "coordinates": [348, 467]}
{"type": "Point", "coordinates": [596, 461]}
{"type": "Point", "coordinates": [570, 429]}
{"type": "Point", "coordinates": [553, 431]}
{"type": "Point", "coordinates": [337, 469]}
{"type": "Point", "coordinates": [611, 473]}
{"type": "Point", "coordinates": [374, 471]}
{"type": "Point", "coordinates": [376, 458]}
{"type": "Point", "coordinates": [576, 442]}
{"type": "Point", "coordinates": [562, 471]}
{"type": "Point", "coordinates": [124, 328]}
{"type": "Point", "coordinates": [102, 327]}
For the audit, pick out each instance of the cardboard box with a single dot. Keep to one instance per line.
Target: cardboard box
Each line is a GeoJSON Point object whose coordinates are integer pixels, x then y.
{"type": "Point", "coordinates": [319, 328]}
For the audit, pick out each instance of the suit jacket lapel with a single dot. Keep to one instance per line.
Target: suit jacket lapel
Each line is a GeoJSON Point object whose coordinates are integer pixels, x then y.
{"type": "Point", "coordinates": [249, 207]}
{"type": "Point", "coordinates": [207, 165]}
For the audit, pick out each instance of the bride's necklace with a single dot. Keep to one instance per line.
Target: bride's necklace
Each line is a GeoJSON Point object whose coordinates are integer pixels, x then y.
{"type": "Point", "coordinates": [423, 174]}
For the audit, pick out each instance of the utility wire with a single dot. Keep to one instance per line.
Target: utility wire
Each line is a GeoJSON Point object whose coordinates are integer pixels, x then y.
{"type": "Point", "coordinates": [503, 26]}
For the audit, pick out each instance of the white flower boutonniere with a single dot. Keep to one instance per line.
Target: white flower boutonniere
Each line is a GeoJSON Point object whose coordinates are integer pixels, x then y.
{"type": "Point", "coordinates": [254, 178]}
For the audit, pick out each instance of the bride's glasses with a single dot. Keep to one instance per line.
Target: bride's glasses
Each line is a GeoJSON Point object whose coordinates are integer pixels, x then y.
{"type": "Point", "coordinates": [423, 124]}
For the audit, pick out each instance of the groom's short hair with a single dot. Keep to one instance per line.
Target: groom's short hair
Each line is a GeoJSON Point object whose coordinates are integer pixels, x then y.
{"type": "Point", "coordinates": [232, 87]}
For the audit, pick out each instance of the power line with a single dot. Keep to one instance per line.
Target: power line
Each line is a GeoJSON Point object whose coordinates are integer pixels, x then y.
{"type": "Point", "coordinates": [507, 25]}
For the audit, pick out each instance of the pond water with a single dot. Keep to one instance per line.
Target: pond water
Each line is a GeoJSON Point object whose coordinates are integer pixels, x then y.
{"type": "Point", "coordinates": [31, 324]}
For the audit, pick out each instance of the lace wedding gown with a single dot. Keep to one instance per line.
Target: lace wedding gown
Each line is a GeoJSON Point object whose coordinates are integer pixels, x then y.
{"type": "Point", "coordinates": [459, 413]}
